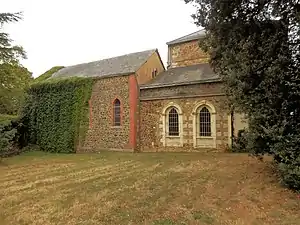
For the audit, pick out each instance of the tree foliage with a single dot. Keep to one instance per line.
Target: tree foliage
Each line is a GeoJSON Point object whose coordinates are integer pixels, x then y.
{"type": "Point", "coordinates": [8, 52]}
{"type": "Point", "coordinates": [14, 78]}
{"type": "Point", "coordinates": [56, 113]}
{"type": "Point", "coordinates": [254, 46]}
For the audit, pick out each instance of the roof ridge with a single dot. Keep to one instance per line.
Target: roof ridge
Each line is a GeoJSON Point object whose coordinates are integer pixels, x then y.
{"type": "Point", "coordinates": [183, 37]}
{"type": "Point", "coordinates": [113, 57]}
{"type": "Point", "coordinates": [131, 53]}
{"type": "Point", "coordinates": [126, 63]}
{"type": "Point", "coordinates": [187, 35]}
{"type": "Point", "coordinates": [154, 51]}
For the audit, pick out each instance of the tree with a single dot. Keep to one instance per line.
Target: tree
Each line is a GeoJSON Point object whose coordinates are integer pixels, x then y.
{"type": "Point", "coordinates": [254, 46]}
{"type": "Point", "coordinates": [14, 78]}
{"type": "Point", "coordinates": [8, 52]}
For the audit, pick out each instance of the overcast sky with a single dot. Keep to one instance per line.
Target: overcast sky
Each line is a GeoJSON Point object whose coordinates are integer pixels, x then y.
{"type": "Point", "coordinates": [68, 32]}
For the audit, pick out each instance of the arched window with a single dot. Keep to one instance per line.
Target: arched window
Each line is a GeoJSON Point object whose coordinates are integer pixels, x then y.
{"type": "Point", "coordinates": [117, 112]}
{"type": "Point", "coordinates": [204, 123]}
{"type": "Point", "coordinates": [173, 120]}
{"type": "Point", "coordinates": [172, 125]}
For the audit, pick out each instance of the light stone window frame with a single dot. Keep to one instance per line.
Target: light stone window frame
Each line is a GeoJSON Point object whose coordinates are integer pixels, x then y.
{"type": "Point", "coordinates": [166, 139]}
{"type": "Point", "coordinates": [196, 123]}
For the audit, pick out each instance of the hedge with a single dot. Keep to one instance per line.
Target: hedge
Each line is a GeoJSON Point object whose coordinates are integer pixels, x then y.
{"type": "Point", "coordinates": [56, 113]}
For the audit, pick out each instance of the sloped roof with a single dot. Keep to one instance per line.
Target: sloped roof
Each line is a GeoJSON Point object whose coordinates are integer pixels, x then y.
{"type": "Point", "coordinates": [190, 37]}
{"type": "Point", "coordinates": [200, 73]}
{"type": "Point", "coordinates": [116, 66]}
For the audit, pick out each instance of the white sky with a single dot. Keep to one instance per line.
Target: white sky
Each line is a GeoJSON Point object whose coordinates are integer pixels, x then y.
{"type": "Point", "coordinates": [68, 32]}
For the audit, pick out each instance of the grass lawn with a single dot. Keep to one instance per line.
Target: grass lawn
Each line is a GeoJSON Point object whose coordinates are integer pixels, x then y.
{"type": "Point", "coordinates": [149, 188]}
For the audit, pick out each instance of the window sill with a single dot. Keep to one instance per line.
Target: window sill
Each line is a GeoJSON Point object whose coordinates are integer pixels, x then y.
{"type": "Point", "coordinates": [203, 137]}
{"type": "Point", "coordinates": [116, 127]}
{"type": "Point", "coordinates": [172, 136]}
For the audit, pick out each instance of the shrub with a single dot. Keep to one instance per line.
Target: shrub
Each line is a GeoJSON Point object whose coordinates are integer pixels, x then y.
{"type": "Point", "coordinates": [286, 155]}
{"type": "Point", "coordinates": [7, 136]}
{"type": "Point", "coordinates": [56, 113]}
{"type": "Point", "coordinates": [290, 175]}
{"type": "Point", "coordinates": [12, 138]}
{"type": "Point", "coordinates": [240, 142]}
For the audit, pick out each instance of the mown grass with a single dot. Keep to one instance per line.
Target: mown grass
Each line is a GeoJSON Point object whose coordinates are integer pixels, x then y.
{"type": "Point", "coordinates": [150, 188]}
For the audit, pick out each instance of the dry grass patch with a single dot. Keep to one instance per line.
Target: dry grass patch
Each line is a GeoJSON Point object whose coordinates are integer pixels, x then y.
{"type": "Point", "coordinates": [159, 188]}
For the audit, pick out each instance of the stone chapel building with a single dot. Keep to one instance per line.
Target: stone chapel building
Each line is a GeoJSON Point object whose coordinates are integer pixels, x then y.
{"type": "Point", "coordinates": [138, 105]}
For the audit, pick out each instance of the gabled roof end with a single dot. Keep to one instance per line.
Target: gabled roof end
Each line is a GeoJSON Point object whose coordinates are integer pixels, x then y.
{"type": "Point", "coordinates": [190, 37]}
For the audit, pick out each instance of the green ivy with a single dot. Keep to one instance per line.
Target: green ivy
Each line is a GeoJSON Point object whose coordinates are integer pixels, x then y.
{"type": "Point", "coordinates": [56, 113]}
{"type": "Point", "coordinates": [48, 74]}
{"type": "Point", "coordinates": [7, 118]}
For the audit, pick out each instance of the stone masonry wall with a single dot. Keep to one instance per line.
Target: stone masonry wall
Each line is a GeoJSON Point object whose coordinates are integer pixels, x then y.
{"type": "Point", "coordinates": [151, 121]}
{"type": "Point", "coordinates": [102, 134]}
{"type": "Point", "coordinates": [186, 54]}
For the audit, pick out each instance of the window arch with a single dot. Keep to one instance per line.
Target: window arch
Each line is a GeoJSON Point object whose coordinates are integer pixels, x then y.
{"type": "Point", "coordinates": [172, 125]}
{"type": "Point", "coordinates": [117, 113]}
{"type": "Point", "coordinates": [173, 120]}
{"type": "Point", "coordinates": [204, 125]}
{"type": "Point", "coordinates": [204, 122]}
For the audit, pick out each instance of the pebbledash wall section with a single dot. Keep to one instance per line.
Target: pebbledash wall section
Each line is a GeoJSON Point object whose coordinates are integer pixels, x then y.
{"type": "Point", "coordinates": [186, 54]}
{"type": "Point", "coordinates": [153, 102]}
{"type": "Point", "coordinates": [102, 134]}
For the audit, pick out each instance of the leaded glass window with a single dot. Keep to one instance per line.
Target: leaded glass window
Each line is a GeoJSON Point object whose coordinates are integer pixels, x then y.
{"type": "Point", "coordinates": [204, 122]}
{"type": "Point", "coordinates": [173, 122]}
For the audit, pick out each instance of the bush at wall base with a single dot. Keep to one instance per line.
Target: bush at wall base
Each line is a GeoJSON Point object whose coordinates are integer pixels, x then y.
{"type": "Point", "coordinates": [239, 144]}
{"type": "Point", "coordinates": [12, 139]}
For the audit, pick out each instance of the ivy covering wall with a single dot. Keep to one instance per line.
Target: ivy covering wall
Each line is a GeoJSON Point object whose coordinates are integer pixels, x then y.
{"type": "Point", "coordinates": [48, 74]}
{"type": "Point", "coordinates": [56, 113]}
